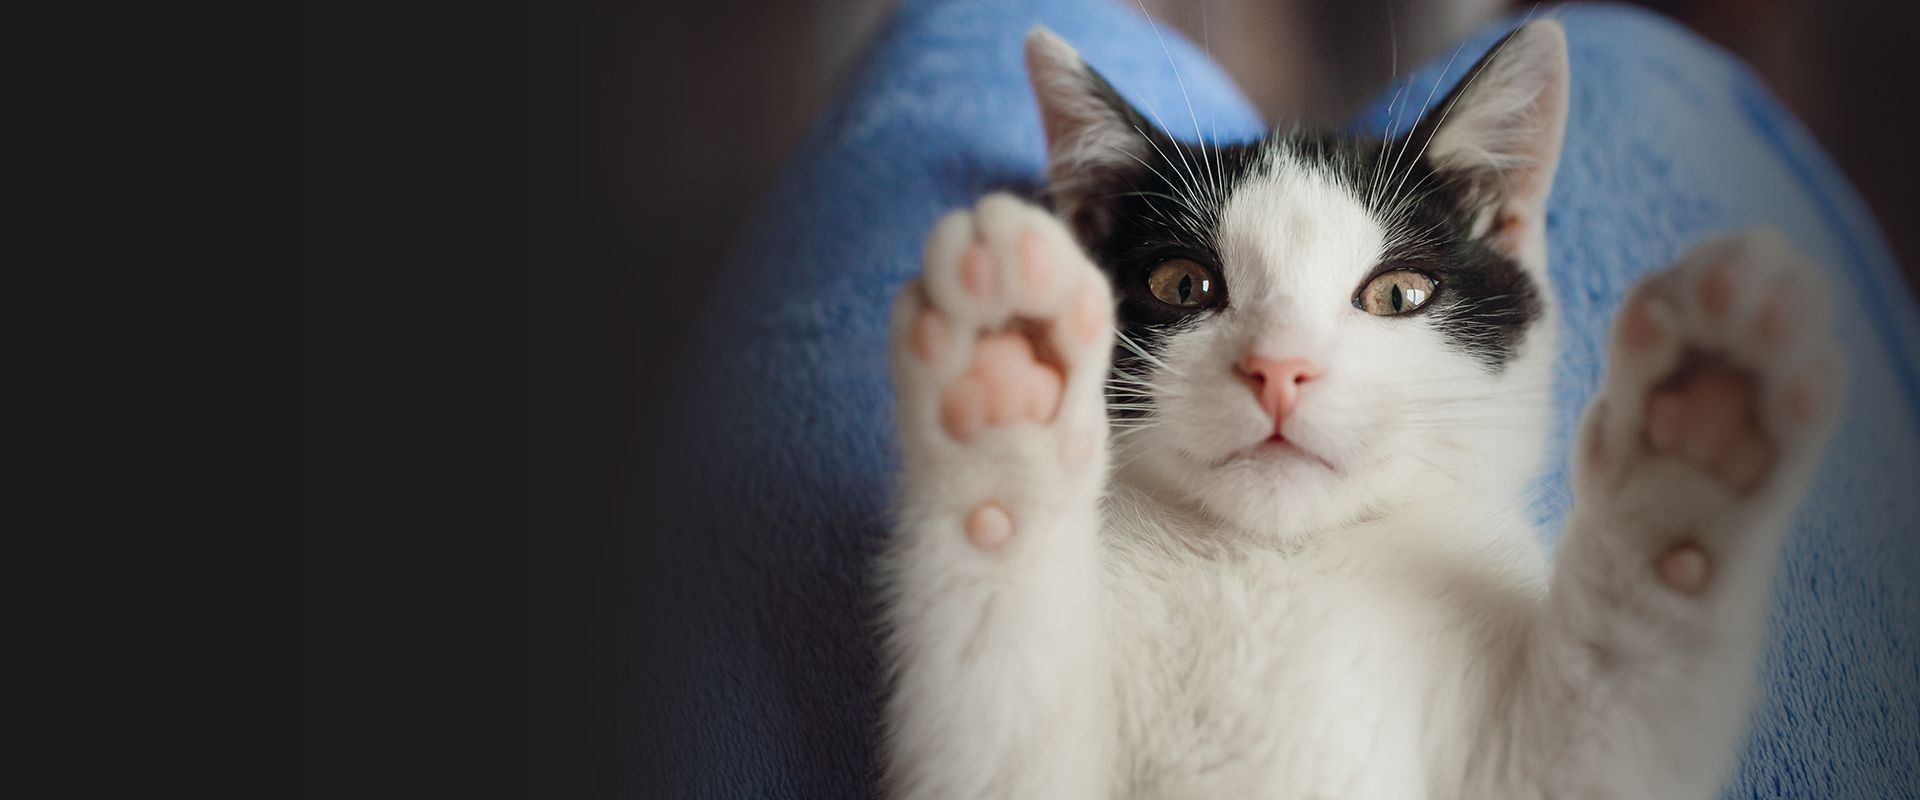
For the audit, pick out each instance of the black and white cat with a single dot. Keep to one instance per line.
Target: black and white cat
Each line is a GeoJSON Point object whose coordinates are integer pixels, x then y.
{"type": "Point", "coordinates": [1265, 531]}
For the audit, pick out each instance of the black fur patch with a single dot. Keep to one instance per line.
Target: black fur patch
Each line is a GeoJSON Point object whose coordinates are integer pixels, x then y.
{"type": "Point", "coordinates": [1485, 302]}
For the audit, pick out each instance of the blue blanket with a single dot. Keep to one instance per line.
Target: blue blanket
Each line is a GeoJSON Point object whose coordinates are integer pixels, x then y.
{"type": "Point", "coordinates": [770, 684]}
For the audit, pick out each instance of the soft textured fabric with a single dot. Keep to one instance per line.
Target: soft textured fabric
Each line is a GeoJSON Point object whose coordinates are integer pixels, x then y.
{"type": "Point", "coordinates": [786, 439]}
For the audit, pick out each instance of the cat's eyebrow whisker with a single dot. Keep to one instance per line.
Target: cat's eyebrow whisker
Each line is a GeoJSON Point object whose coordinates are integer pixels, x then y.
{"type": "Point", "coordinates": [1162, 125]}
{"type": "Point", "coordinates": [1393, 74]}
{"type": "Point", "coordinates": [1178, 186]}
{"type": "Point", "coordinates": [1146, 194]}
{"type": "Point", "coordinates": [1190, 185]}
{"type": "Point", "coordinates": [1418, 118]}
{"type": "Point", "coordinates": [1219, 162]}
{"type": "Point", "coordinates": [1465, 88]}
{"type": "Point", "coordinates": [1411, 198]}
{"type": "Point", "coordinates": [1206, 161]}
{"type": "Point", "coordinates": [1189, 217]}
{"type": "Point", "coordinates": [1399, 238]}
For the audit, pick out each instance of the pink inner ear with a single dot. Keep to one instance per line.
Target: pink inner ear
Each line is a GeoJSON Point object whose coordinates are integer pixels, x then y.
{"type": "Point", "coordinates": [1505, 127]}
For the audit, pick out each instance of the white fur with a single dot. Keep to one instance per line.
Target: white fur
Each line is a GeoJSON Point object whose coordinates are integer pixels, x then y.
{"type": "Point", "coordinates": [1192, 624]}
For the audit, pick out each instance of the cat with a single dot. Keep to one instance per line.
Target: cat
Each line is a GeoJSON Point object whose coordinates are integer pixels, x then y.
{"type": "Point", "coordinates": [1217, 476]}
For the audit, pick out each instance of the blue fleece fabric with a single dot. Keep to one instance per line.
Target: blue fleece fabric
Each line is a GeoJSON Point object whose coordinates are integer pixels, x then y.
{"type": "Point", "coordinates": [789, 459]}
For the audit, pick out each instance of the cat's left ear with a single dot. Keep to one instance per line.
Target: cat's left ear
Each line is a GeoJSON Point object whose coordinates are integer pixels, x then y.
{"type": "Point", "coordinates": [1095, 138]}
{"type": "Point", "coordinates": [1498, 135]}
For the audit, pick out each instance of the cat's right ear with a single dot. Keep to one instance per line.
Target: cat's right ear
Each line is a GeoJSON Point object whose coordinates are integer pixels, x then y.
{"type": "Point", "coordinates": [1499, 134]}
{"type": "Point", "coordinates": [1094, 137]}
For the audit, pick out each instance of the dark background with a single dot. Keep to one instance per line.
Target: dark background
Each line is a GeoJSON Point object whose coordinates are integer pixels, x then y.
{"type": "Point", "coordinates": [442, 255]}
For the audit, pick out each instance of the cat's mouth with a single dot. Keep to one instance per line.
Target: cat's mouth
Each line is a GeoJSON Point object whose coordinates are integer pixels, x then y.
{"type": "Point", "coordinates": [1278, 446]}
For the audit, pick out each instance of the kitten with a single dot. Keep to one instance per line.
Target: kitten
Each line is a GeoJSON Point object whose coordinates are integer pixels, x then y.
{"type": "Point", "coordinates": [1261, 528]}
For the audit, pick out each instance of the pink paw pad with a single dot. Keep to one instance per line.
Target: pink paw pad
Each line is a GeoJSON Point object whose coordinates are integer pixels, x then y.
{"type": "Point", "coordinates": [928, 332]}
{"type": "Point", "coordinates": [1773, 324]}
{"type": "Point", "coordinates": [1684, 568]}
{"type": "Point", "coordinates": [1666, 420]}
{"type": "Point", "coordinates": [1597, 439]}
{"type": "Point", "coordinates": [976, 271]}
{"type": "Point", "coordinates": [1708, 416]}
{"type": "Point", "coordinates": [963, 409]}
{"type": "Point", "coordinates": [1743, 465]}
{"type": "Point", "coordinates": [1036, 272]}
{"type": "Point", "coordinates": [1089, 314]}
{"type": "Point", "coordinates": [1716, 290]}
{"type": "Point", "coordinates": [1640, 330]}
{"type": "Point", "coordinates": [1801, 406]}
{"type": "Point", "coordinates": [1078, 450]}
{"type": "Point", "coordinates": [1005, 384]}
{"type": "Point", "coordinates": [989, 526]}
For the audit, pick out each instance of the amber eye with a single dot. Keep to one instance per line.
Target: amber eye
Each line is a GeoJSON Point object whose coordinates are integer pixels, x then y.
{"type": "Point", "coordinates": [1183, 283]}
{"type": "Point", "coordinates": [1396, 292]}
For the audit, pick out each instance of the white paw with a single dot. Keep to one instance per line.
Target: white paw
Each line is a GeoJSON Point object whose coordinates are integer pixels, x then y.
{"type": "Point", "coordinates": [1723, 384]}
{"type": "Point", "coordinates": [999, 353]}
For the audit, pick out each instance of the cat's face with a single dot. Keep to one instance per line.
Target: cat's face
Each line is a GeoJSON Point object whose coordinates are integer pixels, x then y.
{"type": "Point", "coordinates": [1318, 328]}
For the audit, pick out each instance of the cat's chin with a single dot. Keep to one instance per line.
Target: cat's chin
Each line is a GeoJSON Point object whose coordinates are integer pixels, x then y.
{"type": "Point", "coordinates": [1274, 489]}
{"type": "Point", "coordinates": [1281, 454]}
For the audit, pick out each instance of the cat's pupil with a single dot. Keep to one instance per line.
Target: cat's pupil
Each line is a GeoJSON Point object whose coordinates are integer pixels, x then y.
{"type": "Point", "coordinates": [1186, 287]}
{"type": "Point", "coordinates": [1396, 297]}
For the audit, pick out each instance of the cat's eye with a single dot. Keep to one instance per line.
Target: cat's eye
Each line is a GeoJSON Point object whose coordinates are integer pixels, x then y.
{"type": "Point", "coordinates": [1183, 283]}
{"type": "Point", "coordinates": [1396, 292]}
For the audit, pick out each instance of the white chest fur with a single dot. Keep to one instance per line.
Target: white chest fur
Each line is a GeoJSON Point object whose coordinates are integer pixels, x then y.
{"type": "Point", "coordinates": [1331, 670]}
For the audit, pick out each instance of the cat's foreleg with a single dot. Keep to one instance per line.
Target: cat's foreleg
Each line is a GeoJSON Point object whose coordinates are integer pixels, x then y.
{"type": "Point", "coordinates": [1723, 385]}
{"type": "Point", "coordinates": [999, 680]}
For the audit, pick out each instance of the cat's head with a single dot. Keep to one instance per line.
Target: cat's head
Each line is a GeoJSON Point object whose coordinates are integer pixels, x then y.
{"type": "Point", "coordinates": [1318, 327]}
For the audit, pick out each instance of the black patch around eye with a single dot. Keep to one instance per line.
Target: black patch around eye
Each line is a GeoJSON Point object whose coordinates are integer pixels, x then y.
{"type": "Point", "coordinates": [1170, 209]}
{"type": "Point", "coordinates": [1483, 302]}
{"type": "Point", "coordinates": [1493, 304]}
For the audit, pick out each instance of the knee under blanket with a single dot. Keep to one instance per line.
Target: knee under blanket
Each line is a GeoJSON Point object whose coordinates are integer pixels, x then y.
{"type": "Point", "coordinates": [784, 448]}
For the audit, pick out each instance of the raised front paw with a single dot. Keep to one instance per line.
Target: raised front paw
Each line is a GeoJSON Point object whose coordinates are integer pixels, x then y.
{"type": "Point", "coordinates": [1722, 386]}
{"type": "Point", "coordinates": [999, 351]}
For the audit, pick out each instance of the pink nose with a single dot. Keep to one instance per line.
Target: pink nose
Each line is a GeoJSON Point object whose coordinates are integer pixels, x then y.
{"type": "Point", "coordinates": [1277, 382]}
